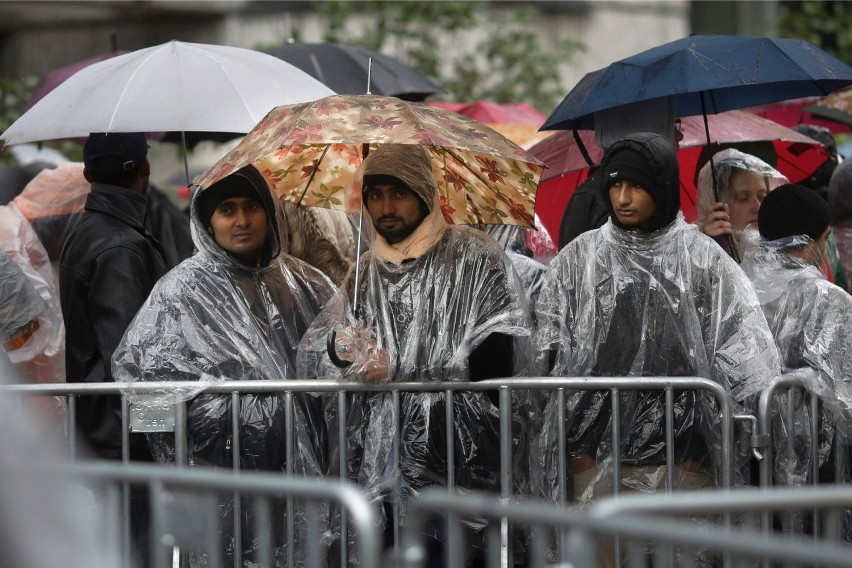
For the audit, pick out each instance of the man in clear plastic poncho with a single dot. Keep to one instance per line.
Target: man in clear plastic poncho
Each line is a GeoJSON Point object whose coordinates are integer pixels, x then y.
{"type": "Point", "coordinates": [811, 320]}
{"type": "Point", "coordinates": [434, 303]}
{"type": "Point", "coordinates": [236, 310]}
{"type": "Point", "coordinates": [645, 295]}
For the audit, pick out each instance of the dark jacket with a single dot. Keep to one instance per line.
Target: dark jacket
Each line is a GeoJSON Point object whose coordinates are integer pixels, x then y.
{"type": "Point", "coordinates": [586, 210]}
{"type": "Point", "coordinates": [108, 267]}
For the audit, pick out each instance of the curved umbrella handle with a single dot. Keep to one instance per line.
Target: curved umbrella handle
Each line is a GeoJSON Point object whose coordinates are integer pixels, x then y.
{"type": "Point", "coordinates": [331, 348]}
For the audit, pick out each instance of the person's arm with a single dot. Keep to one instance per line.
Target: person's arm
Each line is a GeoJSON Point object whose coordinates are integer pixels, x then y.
{"type": "Point", "coordinates": [492, 358]}
{"type": "Point", "coordinates": [586, 210]}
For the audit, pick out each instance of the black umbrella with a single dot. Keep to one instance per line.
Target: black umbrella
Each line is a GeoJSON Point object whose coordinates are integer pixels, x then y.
{"type": "Point", "coordinates": [345, 70]}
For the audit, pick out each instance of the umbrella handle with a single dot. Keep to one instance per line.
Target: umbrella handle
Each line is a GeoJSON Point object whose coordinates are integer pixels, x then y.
{"type": "Point", "coordinates": [331, 348]}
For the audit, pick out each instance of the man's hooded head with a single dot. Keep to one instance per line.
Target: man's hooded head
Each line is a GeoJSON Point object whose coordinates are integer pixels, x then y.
{"type": "Point", "coordinates": [399, 167]}
{"type": "Point", "coordinates": [650, 161]}
{"type": "Point", "coordinates": [248, 184]}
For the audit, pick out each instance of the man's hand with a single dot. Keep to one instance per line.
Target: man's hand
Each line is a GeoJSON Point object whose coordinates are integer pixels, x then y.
{"type": "Point", "coordinates": [717, 222]}
{"type": "Point", "coordinates": [369, 362]}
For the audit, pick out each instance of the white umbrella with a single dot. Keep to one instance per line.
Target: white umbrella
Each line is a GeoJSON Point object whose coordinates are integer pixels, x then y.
{"type": "Point", "coordinates": [173, 87]}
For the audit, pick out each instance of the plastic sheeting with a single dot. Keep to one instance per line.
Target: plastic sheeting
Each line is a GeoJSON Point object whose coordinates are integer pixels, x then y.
{"type": "Point", "coordinates": [20, 303]}
{"type": "Point", "coordinates": [53, 203]}
{"type": "Point", "coordinates": [667, 303]}
{"type": "Point", "coordinates": [427, 315]}
{"type": "Point", "coordinates": [42, 358]}
{"type": "Point", "coordinates": [811, 320]}
{"type": "Point", "coordinates": [531, 272]}
{"type": "Point", "coordinates": [213, 318]}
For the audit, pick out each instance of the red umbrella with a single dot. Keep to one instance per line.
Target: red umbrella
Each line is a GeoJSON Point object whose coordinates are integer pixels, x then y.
{"type": "Point", "coordinates": [793, 154]}
{"type": "Point", "coordinates": [519, 122]}
{"type": "Point", "coordinates": [799, 111]}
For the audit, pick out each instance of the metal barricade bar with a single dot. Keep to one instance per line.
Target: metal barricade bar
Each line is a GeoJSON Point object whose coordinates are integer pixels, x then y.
{"type": "Point", "coordinates": [153, 417]}
{"type": "Point", "coordinates": [793, 384]}
{"type": "Point", "coordinates": [644, 519]}
{"type": "Point", "coordinates": [165, 483]}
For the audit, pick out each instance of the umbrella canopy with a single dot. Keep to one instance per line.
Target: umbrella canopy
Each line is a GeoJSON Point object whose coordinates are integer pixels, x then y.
{"type": "Point", "coordinates": [794, 112]}
{"type": "Point", "coordinates": [56, 77]}
{"type": "Point", "coordinates": [345, 68]}
{"type": "Point", "coordinates": [310, 152]}
{"type": "Point", "coordinates": [836, 107]}
{"type": "Point", "coordinates": [175, 86]}
{"type": "Point", "coordinates": [793, 154]}
{"type": "Point", "coordinates": [705, 74]}
{"type": "Point", "coordinates": [519, 122]}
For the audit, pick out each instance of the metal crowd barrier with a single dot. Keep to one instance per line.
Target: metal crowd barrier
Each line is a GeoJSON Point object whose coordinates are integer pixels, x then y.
{"type": "Point", "coordinates": [184, 516]}
{"type": "Point", "coordinates": [656, 527]}
{"type": "Point", "coordinates": [788, 396]}
{"type": "Point", "coordinates": [143, 411]}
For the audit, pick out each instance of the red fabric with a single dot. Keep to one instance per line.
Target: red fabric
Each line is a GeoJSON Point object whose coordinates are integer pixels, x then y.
{"type": "Point", "coordinates": [792, 112]}
{"type": "Point", "coordinates": [793, 154]}
{"type": "Point", "coordinates": [496, 113]}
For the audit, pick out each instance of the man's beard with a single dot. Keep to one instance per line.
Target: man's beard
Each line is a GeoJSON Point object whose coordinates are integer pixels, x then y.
{"type": "Point", "coordinates": [401, 232]}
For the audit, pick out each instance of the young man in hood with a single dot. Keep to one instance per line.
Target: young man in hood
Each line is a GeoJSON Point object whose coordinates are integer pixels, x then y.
{"type": "Point", "coordinates": [646, 295]}
{"type": "Point", "coordinates": [236, 310]}
{"type": "Point", "coordinates": [435, 302]}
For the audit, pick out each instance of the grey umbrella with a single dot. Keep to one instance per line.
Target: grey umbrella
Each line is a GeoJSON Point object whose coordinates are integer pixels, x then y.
{"type": "Point", "coordinates": [345, 69]}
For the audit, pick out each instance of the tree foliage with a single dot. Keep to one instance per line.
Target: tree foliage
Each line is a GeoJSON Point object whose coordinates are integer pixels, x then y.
{"type": "Point", "coordinates": [825, 23]}
{"type": "Point", "coordinates": [510, 63]}
{"type": "Point", "coordinates": [15, 93]}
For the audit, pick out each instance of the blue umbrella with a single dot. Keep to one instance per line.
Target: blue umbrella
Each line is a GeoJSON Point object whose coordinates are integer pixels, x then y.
{"type": "Point", "coordinates": [704, 74]}
{"type": "Point", "coordinates": [701, 75]}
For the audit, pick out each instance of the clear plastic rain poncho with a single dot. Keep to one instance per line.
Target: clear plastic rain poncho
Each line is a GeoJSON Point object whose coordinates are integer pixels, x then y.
{"type": "Point", "coordinates": [811, 320]}
{"type": "Point", "coordinates": [434, 304]}
{"type": "Point", "coordinates": [42, 358]}
{"type": "Point", "coordinates": [213, 318]}
{"type": "Point", "coordinates": [20, 303]}
{"type": "Point", "coordinates": [669, 302]}
{"type": "Point", "coordinates": [53, 202]}
{"type": "Point", "coordinates": [726, 163]}
{"type": "Point", "coordinates": [514, 241]}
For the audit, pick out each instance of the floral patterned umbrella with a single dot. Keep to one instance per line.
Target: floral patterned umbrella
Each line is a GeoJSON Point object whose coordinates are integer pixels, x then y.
{"type": "Point", "coordinates": [310, 152]}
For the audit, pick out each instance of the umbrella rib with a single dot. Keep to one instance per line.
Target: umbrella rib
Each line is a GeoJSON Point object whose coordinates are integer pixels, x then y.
{"type": "Point", "coordinates": [313, 174]}
{"type": "Point", "coordinates": [234, 86]}
{"type": "Point", "coordinates": [499, 195]}
{"type": "Point", "coordinates": [127, 86]}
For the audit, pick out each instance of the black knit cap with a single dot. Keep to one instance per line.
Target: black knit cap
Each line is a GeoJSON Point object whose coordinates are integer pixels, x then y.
{"type": "Point", "coordinates": [790, 210]}
{"type": "Point", "coordinates": [630, 165]}
{"type": "Point", "coordinates": [235, 185]}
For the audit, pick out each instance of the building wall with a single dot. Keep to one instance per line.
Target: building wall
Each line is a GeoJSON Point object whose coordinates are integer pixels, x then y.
{"type": "Point", "coordinates": [38, 36]}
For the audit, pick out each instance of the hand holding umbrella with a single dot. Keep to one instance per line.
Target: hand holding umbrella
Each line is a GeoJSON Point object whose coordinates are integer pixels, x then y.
{"type": "Point", "coordinates": [357, 345]}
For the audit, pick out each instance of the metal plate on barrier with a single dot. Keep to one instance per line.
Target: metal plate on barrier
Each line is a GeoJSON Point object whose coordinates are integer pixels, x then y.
{"type": "Point", "coordinates": [151, 413]}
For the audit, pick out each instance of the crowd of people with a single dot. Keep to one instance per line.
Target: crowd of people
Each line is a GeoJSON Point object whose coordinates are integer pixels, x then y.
{"type": "Point", "coordinates": [739, 297]}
